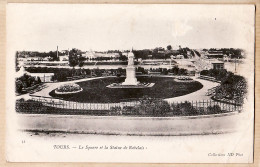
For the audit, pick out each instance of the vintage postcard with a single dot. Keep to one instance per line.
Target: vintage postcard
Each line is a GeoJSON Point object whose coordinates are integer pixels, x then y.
{"type": "Point", "coordinates": [147, 83]}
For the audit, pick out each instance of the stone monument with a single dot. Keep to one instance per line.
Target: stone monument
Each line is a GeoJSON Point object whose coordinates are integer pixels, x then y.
{"type": "Point", "coordinates": [130, 71]}
{"type": "Point", "coordinates": [130, 81]}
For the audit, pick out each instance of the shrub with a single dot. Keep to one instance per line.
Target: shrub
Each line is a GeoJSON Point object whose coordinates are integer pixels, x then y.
{"type": "Point", "coordinates": [18, 86]}
{"type": "Point", "coordinates": [115, 110]}
{"type": "Point", "coordinates": [52, 78]}
{"type": "Point", "coordinates": [232, 87]}
{"type": "Point", "coordinates": [182, 71]}
{"type": "Point", "coordinates": [26, 81]}
{"type": "Point", "coordinates": [154, 107]}
{"type": "Point", "coordinates": [214, 109]}
{"type": "Point", "coordinates": [141, 69]}
{"type": "Point", "coordinates": [62, 75]}
{"type": "Point", "coordinates": [127, 110]}
{"type": "Point", "coordinates": [29, 106]}
{"type": "Point", "coordinates": [69, 88]}
{"type": "Point", "coordinates": [184, 109]}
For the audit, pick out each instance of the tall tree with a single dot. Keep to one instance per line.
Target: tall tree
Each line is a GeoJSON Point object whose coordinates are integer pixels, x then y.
{"type": "Point", "coordinates": [73, 57]}
{"type": "Point", "coordinates": [169, 47]}
{"type": "Point", "coordinates": [81, 60]}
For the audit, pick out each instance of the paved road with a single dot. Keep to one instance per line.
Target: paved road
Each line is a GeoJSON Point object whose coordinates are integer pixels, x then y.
{"type": "Point", "coordinates": [190, 148]}
{"type": "Point", "coordinates": [133, 125]}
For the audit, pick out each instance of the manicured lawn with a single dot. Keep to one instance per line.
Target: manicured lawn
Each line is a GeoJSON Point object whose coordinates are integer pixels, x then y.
{"type": "Point", "coordinates": [95, 91]}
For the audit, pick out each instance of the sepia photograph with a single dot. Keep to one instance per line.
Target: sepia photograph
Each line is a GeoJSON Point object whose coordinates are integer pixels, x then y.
{"type": "Point", "coordinates": [144, 83]}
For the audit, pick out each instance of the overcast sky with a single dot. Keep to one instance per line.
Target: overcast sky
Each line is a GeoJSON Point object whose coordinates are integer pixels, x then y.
{"type": "Point", "coordinates": [42, 27]}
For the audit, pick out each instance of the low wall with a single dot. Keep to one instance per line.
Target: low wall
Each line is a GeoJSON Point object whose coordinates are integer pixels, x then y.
{"type": "Point", "coordinates": [191, 125]}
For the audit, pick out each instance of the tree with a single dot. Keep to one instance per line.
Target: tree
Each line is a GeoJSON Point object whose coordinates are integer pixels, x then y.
{"type": "Point", "coordinates": [182, 71]}
{"type": "Point", "coordinates": [175, 70]}
{"type": "Point", "coordinates": [18, 86]}
{"type": "Point", "coordinates": [122, 57]}
{"type": "Point", "coordinates": [192, 53]}
{"type": "Point", "coordinates": [39, 80]}
{"type": "Point", "coordinates": [53, 56]}
{"type": "Point", "coordinates": [169, 47]}
{"type": "Point", "coordinates": [197, 52]}
{"type": "Point", "coordinates": [81, 60]}
{"type": "Point", "coordinates": [73, 57]}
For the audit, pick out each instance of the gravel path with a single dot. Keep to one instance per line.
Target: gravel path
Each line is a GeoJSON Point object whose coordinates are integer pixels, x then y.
{"type": "Point", "coordinates": [198, 95]}
{"type": "Point", "coordinates": [51, 86]}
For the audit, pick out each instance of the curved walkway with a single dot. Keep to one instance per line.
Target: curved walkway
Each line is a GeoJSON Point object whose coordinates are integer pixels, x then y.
{"type": "Point", "coordinates": [58, 103]}
{"type": "Point", "coordinates": [198, 95]}
{"type": "Point", "coordinates": [51, 86]}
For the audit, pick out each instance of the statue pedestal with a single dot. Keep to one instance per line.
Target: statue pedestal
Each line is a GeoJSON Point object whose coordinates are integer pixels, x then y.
{"type": "Point", "coordinates": [130, 76]}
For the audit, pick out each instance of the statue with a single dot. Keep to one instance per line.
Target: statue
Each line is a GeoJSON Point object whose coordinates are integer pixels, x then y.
{"type": "Point", "coordinates": [131, 81]}
{"type": "Point", "coordinates": [130, 71]}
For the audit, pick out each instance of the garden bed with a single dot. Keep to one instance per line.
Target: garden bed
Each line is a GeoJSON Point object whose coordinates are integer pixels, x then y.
{"type": "Point", "coordinates": [96, 91]}
{"type": "Point", "coordinates": [68, 89]}
{"type": "Point", "coordinates": [66, 93]}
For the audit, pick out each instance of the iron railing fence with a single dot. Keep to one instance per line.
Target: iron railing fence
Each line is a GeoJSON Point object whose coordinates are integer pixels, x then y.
{"type": "Point", "coordinates": [50, 104]}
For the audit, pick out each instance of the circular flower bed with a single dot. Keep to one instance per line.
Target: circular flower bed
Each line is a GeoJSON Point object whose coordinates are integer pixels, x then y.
{"type": "Point", "coordinates": [68, 89]}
